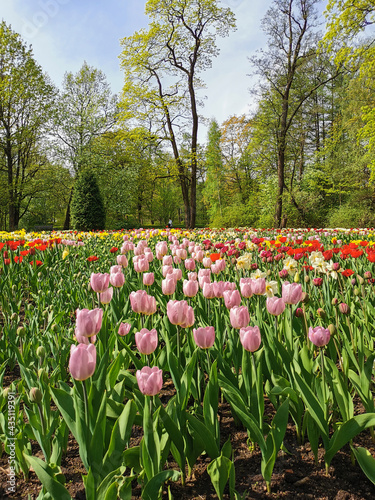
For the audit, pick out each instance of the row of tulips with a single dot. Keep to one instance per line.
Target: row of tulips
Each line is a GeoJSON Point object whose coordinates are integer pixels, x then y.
{"type": "Point", "coordinates": [228, 317]}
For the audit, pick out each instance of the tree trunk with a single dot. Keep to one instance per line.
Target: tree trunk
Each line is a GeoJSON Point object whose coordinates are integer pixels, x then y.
{"type": "Point", "coordinates": [67, 215]}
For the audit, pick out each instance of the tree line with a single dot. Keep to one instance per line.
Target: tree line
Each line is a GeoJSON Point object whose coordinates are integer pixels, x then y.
{"type": "Point", "coordinates": [304, 157]}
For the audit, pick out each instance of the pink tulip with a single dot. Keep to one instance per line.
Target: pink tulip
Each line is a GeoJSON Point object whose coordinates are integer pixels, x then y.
{"type": "Point", "coordinates": [207, 262]}
{"type": "Point", "coordinates": [198, 255]}
{"type": "Point", "coordinates": [202, 280]}
{"type": "Point", "coordinates": [319, 336]}
{"type": "Point", "coordinates": [250, 338]}
{"type": "Point", "coordinates": [150, 380]}
{"type": "Point", "coordinates": [204, 337]}
{"type": "Point", "coordinates": [177, 273]}
{"type": "Point", "coordinates": [190, 288]}
{"type": "Point", "coordinates": [82, 361]}
{"type": "Point", "coordinates": [219, 288]}
{"type": "Point", "coordinates": [190, 264]}
{"type": "Point", "coordinates": [122, 260]}
{"type": "Point", "coordinates": [149, 255]}
{"type": "Point", "coordinates": [148, 279]}
{"type": "Point", "coordinates": [189, 319]}
{"type": "Point", "coordinates": [245, 287]}
{"type": "Point", "coordinates": [232, 298]}
{"type": "Point", "coordinates": [99, 282]}
{"type": "Point", "coordinates": [208, 291]}
{"type": "Point", "coordinates": [127, 246]}
{"type": "Point", "coordinates": [146, 341]}
{"type": "Point", "coordinates": [140, 264]}
{"type": "Point", "coordinates": [115, 269]}
{"type": "Point", "coordinates": [177, 260]}
{"type": "Point", "coordinates": [142, 303]}
{"type": "Point", "coordinates": [181, 253]}
{"type": "Point", "coordinates": [216, 269]}
{"type": "Point", "coordinates": [239, 317]}
{"type": "Point", "coordinates": [258, 286]}
{"type": "Point", "coordinates": [124, 329]}
{"type": "Point", "coordinates": [161, 248]}
{"type": "Point", "coordinates": [192, 276]}
{"type": "Point", "coordinates": [89, 322]}
{"type": "Point", "coordinates": [117, 279]}
{"type": "Point", "coordinates": [81, 339]}
{"type": "Point", "coordinates": [177, 311]}
{"type": "Point", "coordinates": [167, 260]}
{"type": "Point", "coordinates": [168, 285]}
{"type": "Point", "coordinates": [167, 269]}
{"type": "Point", "coordinates": [106, 297]}
{"type": "Point", "coordinates": [150, 306]}
{"type": "Point", "coordinates": [291, 292]}
{"type": "Point", "coordinates": [204, 272]}
{"type": "Point", "coordinates": [275, 305]}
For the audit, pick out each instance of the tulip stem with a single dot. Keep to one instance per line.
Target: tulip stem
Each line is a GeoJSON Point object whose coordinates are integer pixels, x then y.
{"type": "Point", "coordinates": [325, 405]}
{"type": "Point", "coordinates": [178, 344]}
{"type": "Point", "coordinates": [86, 403]}
{"type": "Point", "coordinates": [208, 363]}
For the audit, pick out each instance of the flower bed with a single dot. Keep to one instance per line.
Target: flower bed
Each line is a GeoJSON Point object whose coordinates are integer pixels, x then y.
{"type": "Point", "coordinates": [271, 329]}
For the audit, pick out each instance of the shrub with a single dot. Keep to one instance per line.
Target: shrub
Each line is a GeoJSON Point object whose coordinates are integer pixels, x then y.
{"type": "Point", "coordinates": [87, 207]}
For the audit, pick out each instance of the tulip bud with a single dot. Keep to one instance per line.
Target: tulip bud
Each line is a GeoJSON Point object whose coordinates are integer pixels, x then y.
{"type": "Point", "coordinates": [299, 312]}
{"type": "Point", "coordinates": [321, 313]}
{"type": "Point", "coordinates": [14, 316]}
{"type": "Point", "coordinates": [335, 301]}
{"type": "Point", "coordinates": [354, 281]}
{"type": "Point", "coordinates": [43, 376]}
{"type": "Point", "coordinates": [307, 278]}
{"type": "Point", "coordinates": [296, 278]}
{"type": "Point", "coordinates": [35, 395]}
{"type": "Point", "coordinates": [356, 291]}
{"type": "Point", "coordinates": [360, 279]}
{"type": "Point", "coordinates": [332, 329]}
{"type": "Point", "coordinates": [367, 275]}
{"type": "Point", "coordinates": [344, 308]}
{"type": "Point", "coordinates": [305, 298]}
{"type": "Point", "coordinates": [20, 331]}
{"type": "Point", "coordinates": [41, 352]}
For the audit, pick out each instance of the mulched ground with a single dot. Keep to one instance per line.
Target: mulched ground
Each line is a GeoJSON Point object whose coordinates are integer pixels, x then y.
{"type": "Point", "coordinates": [295, 473]}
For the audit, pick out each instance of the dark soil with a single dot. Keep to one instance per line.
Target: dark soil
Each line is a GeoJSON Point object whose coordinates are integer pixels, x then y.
{"type": "Point", "coordinates": [295, 474]}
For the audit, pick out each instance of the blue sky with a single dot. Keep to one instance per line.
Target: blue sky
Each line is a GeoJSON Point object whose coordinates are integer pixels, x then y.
{"type": "Point", "coordinates": [65, 33]}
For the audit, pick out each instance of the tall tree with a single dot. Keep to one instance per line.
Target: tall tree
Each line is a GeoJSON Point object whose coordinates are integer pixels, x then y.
{"type": "Point", "coordinates": [86, 110]}
{"type": "Point", "coordinates": [26, 101]}
{"type": "Point", "coordinates": [162, 67]}
{"type": "Point", "coordinates": [292, 43]}
{"type": "Point", "coordinates": [347, 21]}
{"type": "Point", "coordinates": [212, 191]}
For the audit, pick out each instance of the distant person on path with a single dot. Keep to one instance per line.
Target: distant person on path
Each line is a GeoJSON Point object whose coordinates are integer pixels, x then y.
{"type": "Point", "coordinates": [170, 223]}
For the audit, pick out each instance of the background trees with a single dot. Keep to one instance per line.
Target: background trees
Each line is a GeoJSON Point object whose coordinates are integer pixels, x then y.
{"type": "Point", "coordinates": [304, 157]}
{"type": "Point", "coordinates": [26, 102]}
{"type": "Point", "coordinates": [162, 67]}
